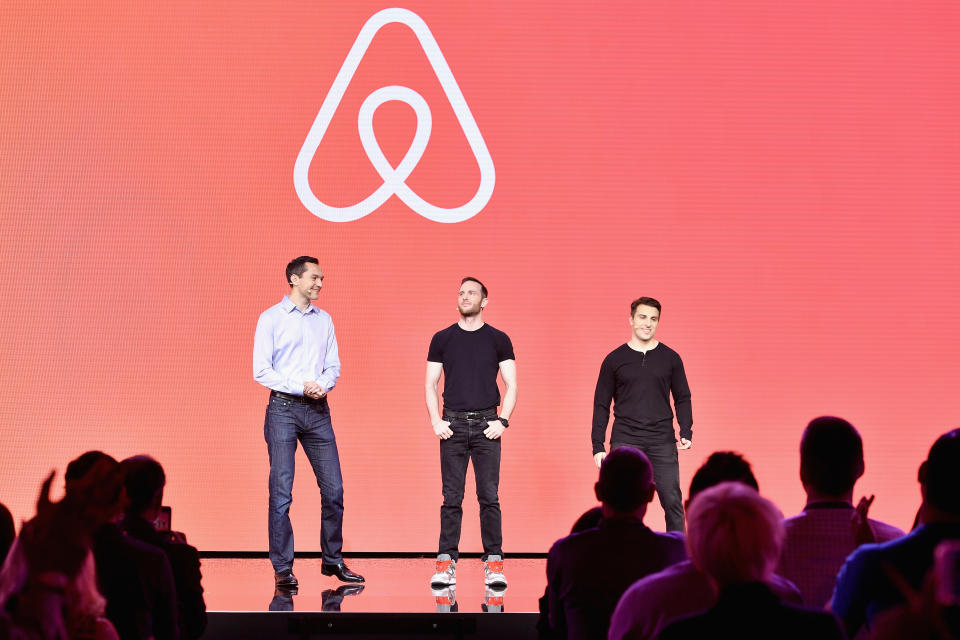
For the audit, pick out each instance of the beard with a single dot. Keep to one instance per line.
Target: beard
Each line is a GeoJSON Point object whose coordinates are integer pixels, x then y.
{"type": "Point", "coordinates": [469, 312]}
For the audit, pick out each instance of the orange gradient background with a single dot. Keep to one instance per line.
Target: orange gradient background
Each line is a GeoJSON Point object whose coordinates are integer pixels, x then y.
{"type": "Point", "coordinates": [782, 176]}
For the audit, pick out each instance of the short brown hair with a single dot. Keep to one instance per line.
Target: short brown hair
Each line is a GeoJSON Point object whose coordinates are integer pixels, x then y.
{"type": "Point", "coordinates": [643, 300]}
{"type": "Point", "coordinates": [483, 289]}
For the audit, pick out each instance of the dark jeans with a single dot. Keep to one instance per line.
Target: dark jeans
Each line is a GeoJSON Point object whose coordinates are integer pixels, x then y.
{"type": "Point", "coordinates": [466, 443]}
{"type": "Point", "coordinates": [666, 473]}
{"type": "Point", "coordinates": [286, 422]}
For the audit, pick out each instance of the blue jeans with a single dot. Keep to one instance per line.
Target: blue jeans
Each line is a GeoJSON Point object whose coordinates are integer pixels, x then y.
{"type": "Point", "coordinates": [466, 443]}
{"type": "Point", "coordinates": [286, 422]}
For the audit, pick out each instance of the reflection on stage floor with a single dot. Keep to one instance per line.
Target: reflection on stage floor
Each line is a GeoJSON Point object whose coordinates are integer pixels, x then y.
{"type": "Point", "coordinates": [393, 585]}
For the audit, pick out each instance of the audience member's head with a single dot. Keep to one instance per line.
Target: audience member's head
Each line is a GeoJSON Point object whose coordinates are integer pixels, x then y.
{"type": "Point", "coordinates": [588, 520]}
{"type": "Point", "coordinates": [831, 458]}
{"type": "Point", "coordinates": [89, 466]}
{"type": "Point", "coordinates": [81, 466]}
{"type": "Point", "coordinates": [939, 478]}
{"type": "Point", "coordinates": [626, 483]}
{"type": "Point", "coordinates": [143, 479]}
{"type": "Point", "coordinates": [733, 534]}
{"type": "Point", "coordinates": [7, 532]}
{"type": "Point", "coordinates": [721, 466]}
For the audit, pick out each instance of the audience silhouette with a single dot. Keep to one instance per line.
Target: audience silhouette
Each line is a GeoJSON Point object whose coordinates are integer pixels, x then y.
{"type": "Point", "coordinates": [830, 527]}
{"type": "Point", "coordinates": [734, 536]}
{"type": "Point", "coordinates": [682, 589]}
{"type": "Point", "coordinates": [879, 577]}
{"type": "Point", "coordinates": [588, 571]}
{"type": "Point", "coordinates": [134, 577]}
{"type": "Point", "coordinates": [144, 480]}
{"type": "Point", "coordinates": [94, 565]}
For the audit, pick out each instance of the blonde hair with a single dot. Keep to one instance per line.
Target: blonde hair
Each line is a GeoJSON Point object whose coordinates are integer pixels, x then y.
{"type": "Point", "coordinates": [733, 534]}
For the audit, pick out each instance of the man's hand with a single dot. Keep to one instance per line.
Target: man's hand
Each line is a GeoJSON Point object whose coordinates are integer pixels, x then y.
{"type": "Point", "coordinates": [313, 390]}
{"type": "Point", "coordinates": [494, 429]}
{"type": "Point", "coordinates": [684, 444]}
{"type": "Point", "coordinates": [176, 537]}
{"type": "Point", "coordinates": [442, 429]}
{"type": "Point", "coordinates": [862, 533]}
{"type": "Point", "coordinates": [598, 458]}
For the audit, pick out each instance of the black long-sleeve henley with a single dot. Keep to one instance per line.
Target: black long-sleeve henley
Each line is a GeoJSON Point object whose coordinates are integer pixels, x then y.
{"type": "Point", "coordinates": [639, 385]}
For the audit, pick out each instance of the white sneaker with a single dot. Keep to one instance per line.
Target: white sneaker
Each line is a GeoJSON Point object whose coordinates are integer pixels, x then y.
{"type": "Point", "coordinates": [445, 597]}
{"type": "Point", "coordinates": [446, 571]}
{"type": "Point", "coordinates": [493, 599]}
{"type": "Point", "coordinates": [493, 572]}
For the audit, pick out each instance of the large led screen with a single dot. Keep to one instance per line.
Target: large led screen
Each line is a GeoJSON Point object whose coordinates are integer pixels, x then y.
{"type": "Point", "coordinates": [782, 176]}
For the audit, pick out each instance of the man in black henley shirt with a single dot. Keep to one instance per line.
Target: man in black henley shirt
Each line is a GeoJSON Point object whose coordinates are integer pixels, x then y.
{"type": "Point", "coordinates": [638, 377]}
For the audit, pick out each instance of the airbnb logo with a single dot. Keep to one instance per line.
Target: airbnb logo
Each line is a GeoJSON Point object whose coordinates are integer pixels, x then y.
{"type": "Point", "coordinates": [394, 178]}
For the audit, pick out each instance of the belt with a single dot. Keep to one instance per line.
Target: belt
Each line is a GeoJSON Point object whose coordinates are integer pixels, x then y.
{"type": "Point", "coordinates": [298, 399]}
{"type": "Point", "coordinates": [479, 414]}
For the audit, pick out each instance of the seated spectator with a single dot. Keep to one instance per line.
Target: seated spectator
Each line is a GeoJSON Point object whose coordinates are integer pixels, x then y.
{"type": "Point", "coordinates": [734, 536]}
{"type": "Point", "coordinates": [144, 480]}
{"type": "Point", "coordinates": [133, 576]}
{"type": "Point", "coordinates": [47, 587]}
{"type": "Point", "coordinates": [875, 576]}
{"type": "Point", "coordinates": [682, 589]}
{"type": "Point", "coordinates": [588, 571]}
{"type": "Point", "coordinates": [589, 519]}
{"type": "Point", "coordinates": [7, 532]}
{"type": "Point", "coordinates": [819, 539]}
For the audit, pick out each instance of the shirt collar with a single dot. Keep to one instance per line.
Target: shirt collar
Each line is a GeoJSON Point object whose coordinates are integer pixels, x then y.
{"type": "Point", "coordinates": [289, 306]}
{"type": "Point", "coordinates": [828, 504]}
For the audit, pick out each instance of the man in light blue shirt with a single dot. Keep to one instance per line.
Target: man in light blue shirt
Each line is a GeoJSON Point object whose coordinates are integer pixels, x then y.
{"type": "Point", "coordinates": [295, 356]}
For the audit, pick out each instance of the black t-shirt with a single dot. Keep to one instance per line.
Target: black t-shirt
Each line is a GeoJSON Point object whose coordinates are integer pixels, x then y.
{"type": "Point", "coordinates": [471, 361]}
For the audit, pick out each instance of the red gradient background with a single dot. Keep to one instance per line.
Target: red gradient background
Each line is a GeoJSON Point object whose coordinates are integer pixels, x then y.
{"type": "Point", "coordinates": [782, 176]}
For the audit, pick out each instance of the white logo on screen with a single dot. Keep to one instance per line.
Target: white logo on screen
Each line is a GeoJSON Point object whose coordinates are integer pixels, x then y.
{"type": "Point", "coordinates": [394, 178]}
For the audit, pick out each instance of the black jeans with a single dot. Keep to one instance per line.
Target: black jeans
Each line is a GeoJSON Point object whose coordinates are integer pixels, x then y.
{"type": "Point", "coordinates": [666, 473]}
{"type": "Point", "coordinates": [466, 443]}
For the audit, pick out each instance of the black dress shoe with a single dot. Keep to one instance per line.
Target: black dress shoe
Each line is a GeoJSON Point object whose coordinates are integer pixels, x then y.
{"type": "Point", "coordinates": [341, 571]}
{"type": "Point", "coordinates": [285, 580]}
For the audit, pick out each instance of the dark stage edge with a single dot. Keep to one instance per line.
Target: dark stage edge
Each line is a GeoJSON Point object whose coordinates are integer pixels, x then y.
{"type": "Point", "coordinates": [395, 602]}
{"type": "Point", "coordinates": [357, 626]}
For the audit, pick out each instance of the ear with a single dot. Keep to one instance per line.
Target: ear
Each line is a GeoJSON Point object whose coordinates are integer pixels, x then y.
{"type": "Point", "coordinates": [483, 303]}
{"type": "Point", "coordinates": [653, 492]}
{"type": "Point", "coordinates": [861, 467]}
{"type": "Point", "coordinates": [922, 473]}
{"type": "Point", "coordinates": [597, 492]}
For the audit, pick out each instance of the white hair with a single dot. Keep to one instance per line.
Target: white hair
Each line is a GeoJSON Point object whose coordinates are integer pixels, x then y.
{"type": "Point", "coordinates": [733, 534]}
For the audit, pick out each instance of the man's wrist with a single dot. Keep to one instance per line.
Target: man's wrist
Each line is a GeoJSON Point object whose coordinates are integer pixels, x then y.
{"type": "Point", "coordinates": [503, 421]}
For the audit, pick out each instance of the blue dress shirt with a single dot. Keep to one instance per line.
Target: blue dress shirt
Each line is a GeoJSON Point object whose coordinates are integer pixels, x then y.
{"type": "Point", "coordinates": [292, 347]}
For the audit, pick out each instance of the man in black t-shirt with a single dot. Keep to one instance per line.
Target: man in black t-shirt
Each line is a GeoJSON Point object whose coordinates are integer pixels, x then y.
{"type": "Point", "coordinates": [469, 354]}
{"type": "Point", "coordinates": [638, 377]}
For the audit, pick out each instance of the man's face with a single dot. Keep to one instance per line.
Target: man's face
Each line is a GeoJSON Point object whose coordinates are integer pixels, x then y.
{"type": "Point", "coordinates": [644, 322]}
{"type": "Point", "coordinates": [310, 282]}
{"type": "Point", "coordinates": [470, 299]}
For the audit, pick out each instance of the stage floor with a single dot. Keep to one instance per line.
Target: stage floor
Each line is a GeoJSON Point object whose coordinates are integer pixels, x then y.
{"type": "Point", "coordinates": [393, 585]}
